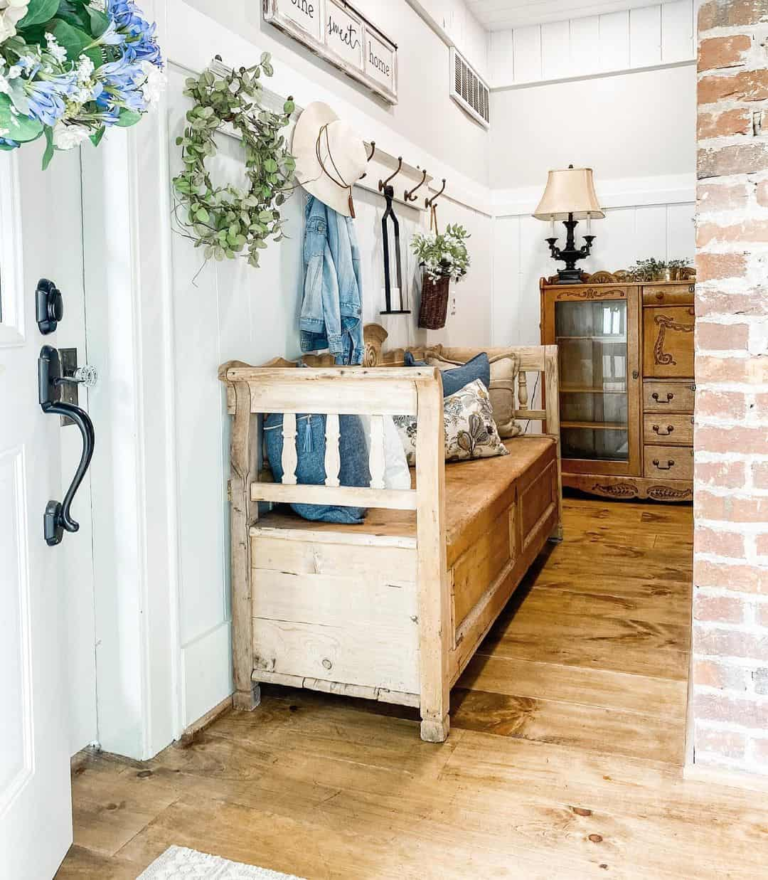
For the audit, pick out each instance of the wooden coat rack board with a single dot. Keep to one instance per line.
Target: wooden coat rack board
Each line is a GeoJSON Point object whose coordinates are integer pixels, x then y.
{"type": "Point", "coordinates": [380, 166]}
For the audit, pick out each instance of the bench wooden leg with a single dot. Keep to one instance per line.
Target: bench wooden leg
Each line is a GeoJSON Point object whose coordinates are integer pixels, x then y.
{"type": "Point", "coordinates": [247, 701]}
{"type": "Point", "coordinates": [434, 730]}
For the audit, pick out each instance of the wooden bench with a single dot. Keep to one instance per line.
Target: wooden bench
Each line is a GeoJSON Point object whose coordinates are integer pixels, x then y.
{"type": "Point", "coordinates": [392, 609]}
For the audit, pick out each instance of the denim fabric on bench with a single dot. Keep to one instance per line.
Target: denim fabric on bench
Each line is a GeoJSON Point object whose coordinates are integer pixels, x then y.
{"type": "Point", "coordinates": [310, 447]}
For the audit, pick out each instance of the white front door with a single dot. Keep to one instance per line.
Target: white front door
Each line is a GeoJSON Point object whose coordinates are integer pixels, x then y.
{"type": "Point", "coordinates": [36, 241]}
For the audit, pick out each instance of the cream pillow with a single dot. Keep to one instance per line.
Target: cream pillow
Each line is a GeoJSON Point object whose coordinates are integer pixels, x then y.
{"type": "Point", "coordinates": [470, 431]}
{"type": "Point", "coordinates": [504, 370]}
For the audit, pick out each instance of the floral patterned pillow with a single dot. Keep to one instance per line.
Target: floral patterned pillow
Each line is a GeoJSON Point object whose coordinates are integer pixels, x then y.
{"type": "Point", "coordinates": [470, 431]}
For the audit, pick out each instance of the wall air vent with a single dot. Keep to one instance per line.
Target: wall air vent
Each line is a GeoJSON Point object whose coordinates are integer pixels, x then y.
{"type": "Point", "coordinates": [469, 91]}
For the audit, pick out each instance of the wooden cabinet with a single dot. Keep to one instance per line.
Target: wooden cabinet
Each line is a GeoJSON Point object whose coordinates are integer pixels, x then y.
{"type": "Point", "coordinates": [627, 388]}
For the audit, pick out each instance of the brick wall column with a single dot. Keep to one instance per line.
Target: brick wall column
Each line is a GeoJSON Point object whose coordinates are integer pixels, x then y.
{"type": "Point", "coordinates": [730, 665]}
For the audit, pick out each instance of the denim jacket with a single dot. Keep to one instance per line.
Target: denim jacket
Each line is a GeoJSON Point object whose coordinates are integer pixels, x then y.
{"type": "Point", "coordinates": [331, 311]}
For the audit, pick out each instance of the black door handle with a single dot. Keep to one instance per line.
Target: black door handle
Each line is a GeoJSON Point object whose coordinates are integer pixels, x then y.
{"type": "Point", "coordinates": [58, 515]}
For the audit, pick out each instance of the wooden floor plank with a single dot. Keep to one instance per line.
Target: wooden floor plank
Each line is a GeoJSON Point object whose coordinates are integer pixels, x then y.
{"type": "Point", "coordinates": [604, 730]}
{"type": "Point", "coordinates": [563, 759]}
{"type": "Point", "coordinates": [601, 688]}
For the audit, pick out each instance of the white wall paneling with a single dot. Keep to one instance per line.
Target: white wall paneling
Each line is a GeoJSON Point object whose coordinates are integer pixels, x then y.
{"type": "Point", "coordinates": [498, 15]}
{"type": "Point", "coordinates": [628, 233]}
{"type": "Point", "coordinates": [645, 36]}
{"type": "Point", "coordinates": [649, 35]}
{"type": "Point", "coordinates": [161, 543]}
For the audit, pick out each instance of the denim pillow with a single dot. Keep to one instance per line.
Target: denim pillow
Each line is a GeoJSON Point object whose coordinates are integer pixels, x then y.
{"type": "Point", "coordinates": [456, 379]}
{"type": "Point", "coordinates": [310, 447]}
{"type": "Point", "coordinates": [478, 368]}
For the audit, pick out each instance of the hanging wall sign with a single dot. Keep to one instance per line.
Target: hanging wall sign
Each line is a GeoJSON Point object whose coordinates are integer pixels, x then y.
{"type": "Point", "coordinates": [337, 32]}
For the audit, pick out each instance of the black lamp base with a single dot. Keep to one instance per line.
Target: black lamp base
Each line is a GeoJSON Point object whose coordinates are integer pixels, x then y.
{"type": "Point", "coordinates": [570, 254]}
{"type": "Point", "coordinates": [569, 276]}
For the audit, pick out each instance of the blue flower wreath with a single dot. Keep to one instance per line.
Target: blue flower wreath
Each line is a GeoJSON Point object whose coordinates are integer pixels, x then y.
{"type": "Point", "coordinates": [71, 69]}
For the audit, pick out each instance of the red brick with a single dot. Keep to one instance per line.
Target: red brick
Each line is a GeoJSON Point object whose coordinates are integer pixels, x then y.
{"type": "Point", "coordinates": [747, 85]}
{"type": "Point", "coordinates": [761, 614]}
{"type": "Point", "coordinates": [719, 52]}
{"type": "Point", "coordinates": [744, 712]}
{"type": "Point", "coordinates": [761, 192]}
{"type": "Point", "coordinates": [727, 508]}
{"type": "Point", "coordinates": [762, 545]}
{"type": "Point", "coordinates": [730, 439]}
{"type": "Point", "coordinates": [722, 474]}
{"type": "Point", "coordinates": [717, 13]}
{"type": "Point", "coordinates": [729, 123]}
{"type": "Point", "coordinates": [721, 337]}
{"type": "Point", "coordinates": [712, 303]}
{"type": "Point", "coordinates": [760, 475]}
{"type": "Point", "coordinates": [728, 544]}
{"type": "Point", "coordinates": [716, 267]}
{"type": "Point", "coordinates": [713, 370]}
{"type": "Point", "coordinates": [722, 197]}
{"type": "Point", "coordinates": [733, 159]}
{"type": "Point", "coordinates": [739, 578]}
{"type": "Point", "coordinates": [747, 231]}
{"type": "Point", "coordinates": [726, 743]}
{"type": "Point", "coordinates": [724, 676]}
{"type": "Point", "coordinates": [730, 643]}
{"type": "Point", "coordinates": [718, 609]}
{"type": "Point", "coordinates": [721, 404]}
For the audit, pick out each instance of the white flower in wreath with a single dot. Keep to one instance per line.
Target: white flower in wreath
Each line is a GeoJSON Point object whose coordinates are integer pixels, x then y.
{"type": "Point", "coordinates": [11, 13]}
{"type": "Point", "coordinates": [155, 83]}
{"type": "Point", "coordinates": [67, 137]}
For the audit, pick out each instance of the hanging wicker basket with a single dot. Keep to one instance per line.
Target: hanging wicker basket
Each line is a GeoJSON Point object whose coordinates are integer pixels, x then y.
{"type": "Point", "coordinates": [434, 302]}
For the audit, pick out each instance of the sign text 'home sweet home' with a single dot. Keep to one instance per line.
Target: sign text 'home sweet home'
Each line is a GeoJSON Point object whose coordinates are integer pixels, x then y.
{"type": "Point", "coordinates": [337, 32]}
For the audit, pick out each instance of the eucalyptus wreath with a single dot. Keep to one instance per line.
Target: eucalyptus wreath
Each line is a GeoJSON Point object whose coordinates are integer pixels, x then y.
{"type": "Point", "coordinates": [227, 221]}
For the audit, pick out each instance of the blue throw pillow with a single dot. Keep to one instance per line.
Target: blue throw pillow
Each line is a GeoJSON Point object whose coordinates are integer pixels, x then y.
{"type": "Point", "coordinates": [310, 446]}
{"type": "Point", "coordinates": [478, 368]}
{"type": "Point", "coordinates": [454, 380]}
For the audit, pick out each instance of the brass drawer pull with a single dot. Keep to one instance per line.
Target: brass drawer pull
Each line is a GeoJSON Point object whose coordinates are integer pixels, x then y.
{"type": "Point", "coordinates": [668, 467]}
{"type": "Point", "coordinates": [658, 430]}
{"type": "Point", "coordinates": [670, 397]}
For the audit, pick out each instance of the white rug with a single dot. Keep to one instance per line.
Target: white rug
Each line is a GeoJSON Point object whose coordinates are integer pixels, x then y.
{"type": "Point", "coordinates": [178, 863]}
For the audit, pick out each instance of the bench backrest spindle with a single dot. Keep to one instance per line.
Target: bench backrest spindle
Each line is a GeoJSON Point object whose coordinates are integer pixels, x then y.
{"type": "Point", "coordinates": [377, 464]}
{"type": "Point", "coordinates": [290, 458]}
{"type": "Point", "coordinates": [332, 450]}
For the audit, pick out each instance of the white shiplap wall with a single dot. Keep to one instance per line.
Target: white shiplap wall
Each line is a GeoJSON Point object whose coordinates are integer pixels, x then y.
{"type": "Point", "coordinates": [628, 233]}
{"type": "Point", "coordinates": [632, 39]}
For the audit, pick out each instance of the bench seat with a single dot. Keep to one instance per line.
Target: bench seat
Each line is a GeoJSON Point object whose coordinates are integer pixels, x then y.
{"type": "Point", "coordinates": [477, 493]}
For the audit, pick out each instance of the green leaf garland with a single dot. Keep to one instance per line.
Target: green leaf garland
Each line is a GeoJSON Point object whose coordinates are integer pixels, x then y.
{"type": "Point", "coordinates": [226, 221]}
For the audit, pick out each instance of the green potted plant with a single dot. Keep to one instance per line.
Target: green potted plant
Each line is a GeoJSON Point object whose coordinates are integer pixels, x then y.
{"type": "Point", "coordinates": [443, 257]}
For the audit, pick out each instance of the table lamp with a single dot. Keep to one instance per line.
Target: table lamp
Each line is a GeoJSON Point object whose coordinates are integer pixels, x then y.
{"type": "Point", "coordinates": [570, 196]}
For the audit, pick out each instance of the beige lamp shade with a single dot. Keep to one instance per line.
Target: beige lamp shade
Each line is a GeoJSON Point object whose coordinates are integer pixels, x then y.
{"type": "Point", "coordinates": [570, 191]}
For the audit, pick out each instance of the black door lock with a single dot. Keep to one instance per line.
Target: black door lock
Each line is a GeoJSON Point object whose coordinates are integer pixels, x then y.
{"type": "Point", "coordinates": [58, 516]}
{"type": "Point", "coordinates": [50, 306]}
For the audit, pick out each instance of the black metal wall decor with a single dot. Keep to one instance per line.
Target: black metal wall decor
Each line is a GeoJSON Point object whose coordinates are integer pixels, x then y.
{"type": "Point", "coordinates": [385, 187]}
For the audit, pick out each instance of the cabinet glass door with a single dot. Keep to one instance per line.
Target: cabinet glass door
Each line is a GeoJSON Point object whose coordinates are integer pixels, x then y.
{"type": "Point", "coordinates": [594, 412]}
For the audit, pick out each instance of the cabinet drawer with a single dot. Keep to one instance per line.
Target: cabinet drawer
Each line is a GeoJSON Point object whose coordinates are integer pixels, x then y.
{"type": "Point", "coordinates": [668, 342]}
{"type": "Point", "coordinates": [663, 295]}
{"type": "Point", "coordinates": [675, 430]}
{"type": "Point", "coordinates": [669, 462]}
{"type": "Point", "coordinates": [677, 397]}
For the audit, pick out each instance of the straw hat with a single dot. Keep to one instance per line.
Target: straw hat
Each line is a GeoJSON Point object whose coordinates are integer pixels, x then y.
{"type": "Point", "coordinates": [330, 157]}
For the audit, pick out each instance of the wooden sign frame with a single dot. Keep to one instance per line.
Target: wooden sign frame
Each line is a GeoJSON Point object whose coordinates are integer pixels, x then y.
{"type": "Point", "coordinates": [336, 32]}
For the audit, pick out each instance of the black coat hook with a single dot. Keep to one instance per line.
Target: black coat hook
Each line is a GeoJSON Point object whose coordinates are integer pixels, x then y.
{"type": "Point", "coordinates": [410, 195]}
{"type": "Point", "coordinates": [430, 202]}
{"type": "Point", "coordinates": [373, 153]}
{"type": "Point", "coordinates": [385, 183]}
